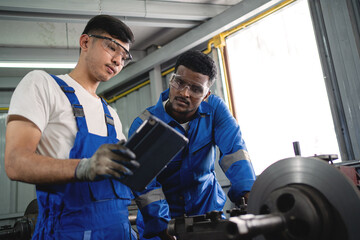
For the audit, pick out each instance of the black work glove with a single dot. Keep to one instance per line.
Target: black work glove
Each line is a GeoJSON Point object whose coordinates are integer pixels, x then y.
{"type": "Point", "coordinates": [110, 160]}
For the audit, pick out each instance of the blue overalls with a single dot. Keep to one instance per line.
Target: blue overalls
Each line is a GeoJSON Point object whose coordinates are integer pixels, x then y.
{"type": "Point", "coordinates": [84, 210]}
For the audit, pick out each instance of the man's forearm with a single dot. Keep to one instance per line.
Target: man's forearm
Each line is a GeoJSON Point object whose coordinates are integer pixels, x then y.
{"type": "Point", "coordinates": [22, 163]}
{"type": "Point", "coordinates": [37, 169]}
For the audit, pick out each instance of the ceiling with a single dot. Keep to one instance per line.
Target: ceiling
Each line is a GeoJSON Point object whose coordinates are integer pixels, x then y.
{"type": "Point", "coordinates": [49, 30]}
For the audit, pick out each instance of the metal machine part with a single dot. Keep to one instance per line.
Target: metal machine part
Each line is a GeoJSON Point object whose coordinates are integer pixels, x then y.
{"type": "Point", "coordinates": [20, 231]}
{"type": "Point", "coordinates": [208, 226]}
{"type": "Point", "coordinates": [24, 227]}
{"type": "Point", "coordinates": [317, 200]}
{"type": "Point", "coordinates": [294, 199]}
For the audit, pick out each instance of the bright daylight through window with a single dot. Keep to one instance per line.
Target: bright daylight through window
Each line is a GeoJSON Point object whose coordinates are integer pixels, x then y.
{"type": "Point", "coordinates": [279, 89]}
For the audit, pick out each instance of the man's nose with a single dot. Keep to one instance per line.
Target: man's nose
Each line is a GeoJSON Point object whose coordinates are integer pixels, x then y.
{"type": "Point", "coordinates": [186, 90]}
{"type": "Point", "coordinates": [117, 60]}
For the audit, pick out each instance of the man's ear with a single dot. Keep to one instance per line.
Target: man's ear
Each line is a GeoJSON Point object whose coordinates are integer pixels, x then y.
{"type": "Point", "coordinates": [84, 41]}
{"type": "Point", "coordinates": [207, 95]}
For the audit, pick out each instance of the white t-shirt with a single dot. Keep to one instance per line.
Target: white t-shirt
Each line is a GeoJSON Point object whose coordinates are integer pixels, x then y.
{"type": "Point", "coordinates": [40, 99]}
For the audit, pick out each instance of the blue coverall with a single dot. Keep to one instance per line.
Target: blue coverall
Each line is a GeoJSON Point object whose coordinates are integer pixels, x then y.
{"type": "Point", "coordinates": [188, 185]}
{"type": "Point", "coordinates": [84, 210]}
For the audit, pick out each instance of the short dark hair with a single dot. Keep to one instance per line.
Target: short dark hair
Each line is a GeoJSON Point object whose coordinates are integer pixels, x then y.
{"type": "Point", "coordinates": [198, 62]}
{"type": "Point", "coordinates": [111, 25]}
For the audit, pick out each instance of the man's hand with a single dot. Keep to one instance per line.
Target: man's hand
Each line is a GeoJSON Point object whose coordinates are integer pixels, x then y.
{"type": "Point", "coordinates": [246, 196]}
{"type": "Point", "coordinates": [110, 160]}
{"type": "Point", "coordinates": [164, 235]}
{"type": "Point", "coordinates": [242, 202]}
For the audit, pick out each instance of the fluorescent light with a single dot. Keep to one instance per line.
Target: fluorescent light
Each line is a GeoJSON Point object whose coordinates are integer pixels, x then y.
{"type": "Point", "coordinates": [37, 65]}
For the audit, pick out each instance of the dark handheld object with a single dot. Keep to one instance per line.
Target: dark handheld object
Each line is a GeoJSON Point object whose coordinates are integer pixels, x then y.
{"type": "Point", "coordinates": [154, 143]}
{"type": "Point", "coordinates": [130, 164]}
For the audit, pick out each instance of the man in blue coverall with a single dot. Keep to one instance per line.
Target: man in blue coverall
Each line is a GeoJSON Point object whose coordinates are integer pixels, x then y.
{"type": "Point", "coordinates": [188, 185]}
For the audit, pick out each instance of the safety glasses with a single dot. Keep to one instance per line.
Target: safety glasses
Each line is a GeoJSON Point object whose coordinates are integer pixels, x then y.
{"type": "Point", "coordinates": [114, 48]}
{"type": "Point", "coordinates": [195, 90]}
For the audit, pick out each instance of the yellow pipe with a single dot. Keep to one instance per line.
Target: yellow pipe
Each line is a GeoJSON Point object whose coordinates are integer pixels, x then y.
{"type": "Point", "coordinates": [227, 33]}
{"type": "Point", "coordinates": [208, 50]}
{"type": "Point", "coordinates": [127, 92]}
{"type": "Point", "coordinates": [168, 71]}
{"type": "Point", "coordinates": [4, 109]}
{"type": "Point", "coordinates": [136, 87]}
{"type": "Point", "coordinates": [217, 41]}
{"type": "Point", "coordinates": [226, 80]}
{"type": "Point", "coordinates": [258, 17]}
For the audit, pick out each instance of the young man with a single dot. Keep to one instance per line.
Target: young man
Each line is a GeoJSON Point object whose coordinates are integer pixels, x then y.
{"type": "Point", "coordinates": [62, 137]}
{"type": "Point", "coordinates": [188, 185]}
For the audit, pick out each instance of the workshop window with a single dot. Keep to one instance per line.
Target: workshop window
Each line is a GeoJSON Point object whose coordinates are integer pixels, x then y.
{"type": "Point", "coordinates": [278, 88]}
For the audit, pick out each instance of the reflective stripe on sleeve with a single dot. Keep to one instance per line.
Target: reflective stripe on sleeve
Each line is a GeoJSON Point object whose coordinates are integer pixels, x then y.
{"type": "Point", "coordinates": [150, 197]}
{"type": "Point", "coordinates": [145, 115]}
{"type": "Point", "coordinates": [228, 160]}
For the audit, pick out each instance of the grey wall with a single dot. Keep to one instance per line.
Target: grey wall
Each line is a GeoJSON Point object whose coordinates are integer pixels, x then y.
{"type": "Point", "coordinates": [14, 196]}
{"type": "Point", "coordinates": [336, 25]}
{"type": "Point", "coordinates": [131, 106]}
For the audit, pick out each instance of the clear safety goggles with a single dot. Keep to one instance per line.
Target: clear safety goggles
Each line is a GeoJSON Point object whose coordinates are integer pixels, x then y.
{"type": "Point", "coordinates": [195, 90]}
{"type": "Point", "coordinates": [115, 49]}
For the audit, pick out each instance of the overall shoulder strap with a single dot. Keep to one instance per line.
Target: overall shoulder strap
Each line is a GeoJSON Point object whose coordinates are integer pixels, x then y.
{"type": "Point", "coordinates": [75, 104]}
{"type": "Point", "coordinates": [109, 120]}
